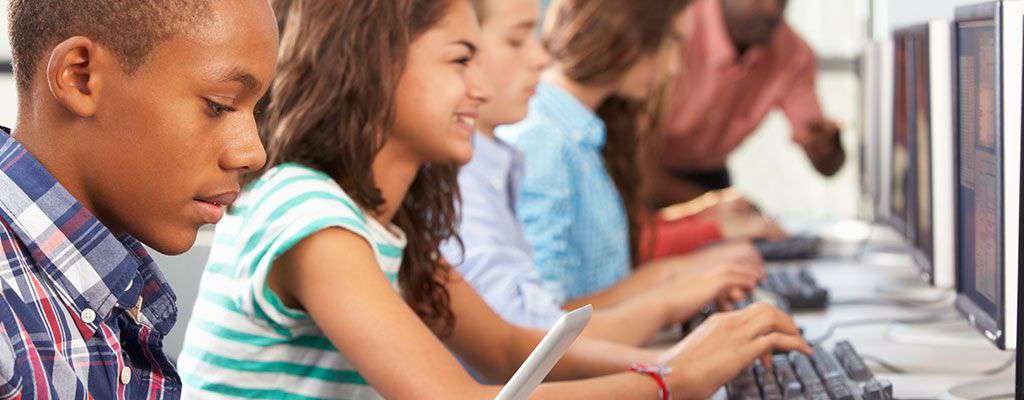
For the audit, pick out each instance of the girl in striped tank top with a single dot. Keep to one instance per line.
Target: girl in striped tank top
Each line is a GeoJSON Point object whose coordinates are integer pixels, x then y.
{"type": "Point", "coordinates": [325, 280]}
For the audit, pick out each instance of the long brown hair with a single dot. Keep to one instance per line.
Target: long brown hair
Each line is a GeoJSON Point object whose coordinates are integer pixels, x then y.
{"type": "Point", "coordinates": [332, 106]}
{"type": "Point", "coordinates": [596, 42]}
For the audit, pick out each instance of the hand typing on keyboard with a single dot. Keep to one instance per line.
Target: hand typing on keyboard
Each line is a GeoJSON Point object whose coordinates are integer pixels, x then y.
{"type": "Point", "coordinates": [687, 293]}
{"type": "Point", "coordinates": [726, 343]}
{"type": "Point", "coordinates": [837, 375]}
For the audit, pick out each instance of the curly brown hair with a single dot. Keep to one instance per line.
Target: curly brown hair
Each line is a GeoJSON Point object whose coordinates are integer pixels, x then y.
{"type": "Point", "coordinates": [597, 42]}
{"type": "Point", "coordinates": [332, 106]}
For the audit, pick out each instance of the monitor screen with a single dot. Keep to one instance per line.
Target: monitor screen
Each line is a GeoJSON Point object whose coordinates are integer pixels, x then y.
{"type": "Point", "coordinates": [920, 176]}
{"type": "Point", "coordinates": [903, 123]}
{"type": "Point", "coordinates": [979, 168]}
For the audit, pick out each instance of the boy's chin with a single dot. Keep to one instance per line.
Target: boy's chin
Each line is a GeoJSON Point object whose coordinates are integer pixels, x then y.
{"type": "Point", "coordinates": [172, 244]}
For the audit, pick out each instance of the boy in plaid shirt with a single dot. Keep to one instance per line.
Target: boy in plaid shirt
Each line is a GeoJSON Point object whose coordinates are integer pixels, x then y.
{"type": "Point", "coordinates": [135, 121]}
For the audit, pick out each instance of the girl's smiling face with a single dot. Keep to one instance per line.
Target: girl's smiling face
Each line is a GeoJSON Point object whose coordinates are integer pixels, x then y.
{"type": "Point", "coordinates": [441, 89]}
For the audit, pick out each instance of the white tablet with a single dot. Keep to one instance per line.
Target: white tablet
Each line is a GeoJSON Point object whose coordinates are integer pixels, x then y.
{"type": "Point", "coordinates": [546, 355]}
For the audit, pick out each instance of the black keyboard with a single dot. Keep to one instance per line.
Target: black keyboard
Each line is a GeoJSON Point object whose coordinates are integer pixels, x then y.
{"type": "Point", "coordinates": [793, 248]}
{"type": "Point", "coordinates": [796, 286]}
{"type": "Point", "coordinates": [837, 375]}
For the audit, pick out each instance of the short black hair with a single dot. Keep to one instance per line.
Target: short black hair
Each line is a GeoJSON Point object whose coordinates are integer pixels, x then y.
{"type": "Point", "coordinates": [130, 28]}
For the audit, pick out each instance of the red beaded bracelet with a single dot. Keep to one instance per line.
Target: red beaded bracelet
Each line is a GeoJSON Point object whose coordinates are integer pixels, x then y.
{"type": "Point", "coordinates": [658, 374]}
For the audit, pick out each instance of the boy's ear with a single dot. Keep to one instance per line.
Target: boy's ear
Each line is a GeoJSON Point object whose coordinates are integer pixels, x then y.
{"type": "Point", "coordinates": [74, 74]}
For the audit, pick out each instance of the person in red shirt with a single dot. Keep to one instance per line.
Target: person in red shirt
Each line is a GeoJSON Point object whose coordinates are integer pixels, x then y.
{"type": "Point", "coordinates": [741, 61]}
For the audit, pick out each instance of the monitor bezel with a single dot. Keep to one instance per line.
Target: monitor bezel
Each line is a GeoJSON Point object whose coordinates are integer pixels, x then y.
{"type": "Point", "coordinates": [991, 328]}
{"type": "Point", "coordinates": [943, 260]}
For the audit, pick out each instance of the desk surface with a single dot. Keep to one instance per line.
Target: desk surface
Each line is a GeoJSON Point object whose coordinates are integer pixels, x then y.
{"type": "Point", "coordinates": [932, 366]}
{"type": "Point", "coordinates": [933, 363]}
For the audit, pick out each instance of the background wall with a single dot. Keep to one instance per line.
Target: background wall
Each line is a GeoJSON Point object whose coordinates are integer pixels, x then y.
{"type": "Point", "coordinates": [8, 100]}
{"type": "Point", "coordinates": [906, 12]}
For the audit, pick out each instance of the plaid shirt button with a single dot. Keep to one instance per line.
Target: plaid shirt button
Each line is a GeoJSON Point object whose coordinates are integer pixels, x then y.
{"type": "Point", "coordinates": [126, 375]}
{"type": "Point", "coordinates": [88, 316]}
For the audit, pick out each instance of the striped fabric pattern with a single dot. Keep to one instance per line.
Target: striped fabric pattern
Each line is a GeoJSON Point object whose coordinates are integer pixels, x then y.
{"type": "Point", "coordinates": [242, 341]}
{"type": "Point", "coordinates": [71, 324]}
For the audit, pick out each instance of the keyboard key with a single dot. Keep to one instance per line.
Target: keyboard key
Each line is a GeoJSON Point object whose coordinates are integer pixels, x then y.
{"type": "Point", "coordinates": [837, 388]}
{"type": "Point", "coordinates": [744, 386]}
{"type": "Point", "coordinates": [791, 388]}
{"type": "Point", "coordinates": [877, 390]}
{"type": "Point", "coordinates": [852, 362]}
{"type": "Point", "coordinates": [826, 364]}
{"type": "Point", "coordinates": [766, 380]}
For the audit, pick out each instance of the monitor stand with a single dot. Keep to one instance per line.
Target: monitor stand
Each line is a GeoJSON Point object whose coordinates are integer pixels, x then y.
{"type": "Point", "coordinates": [1000, 387]}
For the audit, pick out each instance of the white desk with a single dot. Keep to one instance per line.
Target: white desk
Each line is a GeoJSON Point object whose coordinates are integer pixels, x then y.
{"type": "Point", "coordinates": [933, 368]}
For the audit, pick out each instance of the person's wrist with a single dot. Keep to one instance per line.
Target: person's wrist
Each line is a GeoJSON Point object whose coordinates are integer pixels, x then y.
{"type": "Point", "coordinates": [681, 384]}
{"type": "Point", "coordinates": [659, 375]}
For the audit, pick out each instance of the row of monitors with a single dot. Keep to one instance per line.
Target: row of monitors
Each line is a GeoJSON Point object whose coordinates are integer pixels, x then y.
{"type": "Point", "coordinates": [941, 156]}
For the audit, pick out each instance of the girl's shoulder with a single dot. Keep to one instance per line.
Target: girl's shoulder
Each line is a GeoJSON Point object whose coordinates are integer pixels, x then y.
{"type": "Point", "coordinates": [292, 193]}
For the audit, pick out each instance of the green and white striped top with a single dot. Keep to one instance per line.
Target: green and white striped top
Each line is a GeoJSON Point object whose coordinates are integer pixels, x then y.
{"type": "Point", "coordinates": [242, 341]}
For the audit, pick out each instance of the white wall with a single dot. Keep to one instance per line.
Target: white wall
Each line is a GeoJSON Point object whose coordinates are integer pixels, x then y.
{"type": "Point", "coordinates": [5, 45]}
{"type": "Point", "coordinates": [8, 101]}
{"type": "Point", "coordinates": [8, 94]}
{"type": "Point", "coordinates": [907, 12]}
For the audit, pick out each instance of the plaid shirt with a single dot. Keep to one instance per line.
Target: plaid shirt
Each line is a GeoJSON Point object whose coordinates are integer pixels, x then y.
{"type": "Point", "coordinates": [84, 312]}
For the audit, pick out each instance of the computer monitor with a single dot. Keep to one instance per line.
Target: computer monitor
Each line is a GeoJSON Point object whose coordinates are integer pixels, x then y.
{"type": "Point", "coordinates": [912, 153]}
{"type": "Point", "coordinates": [923, 207]}
{"type": "Point", "coordinates": [903, 123]}
{"type": "Point", "coordinates": [988, 69]}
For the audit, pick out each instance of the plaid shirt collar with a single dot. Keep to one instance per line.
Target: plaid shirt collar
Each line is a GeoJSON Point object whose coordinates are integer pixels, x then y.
{"type": "Point", "coordinates": [93, 270]}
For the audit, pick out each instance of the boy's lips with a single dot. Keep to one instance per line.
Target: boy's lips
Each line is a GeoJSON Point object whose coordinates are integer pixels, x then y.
{"type": "Point", "coordinates": [223, 199]}
{"type": "Point", "coordinates": [211, 208]}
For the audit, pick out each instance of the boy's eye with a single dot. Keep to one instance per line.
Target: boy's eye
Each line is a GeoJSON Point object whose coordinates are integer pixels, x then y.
{"type": "Point", "coordinates": [216, 109]}
{"type": "Point", "coordinates": [463, 60]}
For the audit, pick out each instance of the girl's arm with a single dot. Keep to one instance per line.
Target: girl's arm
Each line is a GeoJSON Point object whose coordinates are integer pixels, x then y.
{"type": "Point", "coordinates": [496, 348]}
{"type": "Point", "coordinates": [653, 274]}
{"type": "Point", "coordinates": [636, 320]}
{"type": "Point", "coordinates": [334, 277]}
